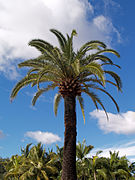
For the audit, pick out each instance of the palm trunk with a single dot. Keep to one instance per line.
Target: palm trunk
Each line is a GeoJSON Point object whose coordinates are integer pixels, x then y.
{"type": "Point", "coordinates": [95, 175]}
{"type": "Point", "coordinates": [69, 151]}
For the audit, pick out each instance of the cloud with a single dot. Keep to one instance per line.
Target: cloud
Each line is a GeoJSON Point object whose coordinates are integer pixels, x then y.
{"type": "Point", "coordinates": [23, 20]}
{"type": "Point", "coordinates": [123, 123]}
{"type": "Point", "coordinates": [103, 23]}
{"type": "Point", "coordinates": [1, 134]}
{"type": "Point", "coordinates": [43, 137]}
{"type": "Point", "coordinates": [127, 149]}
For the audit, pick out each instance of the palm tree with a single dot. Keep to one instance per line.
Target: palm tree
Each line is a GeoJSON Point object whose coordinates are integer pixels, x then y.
{"type": "Point", "coordinates": [13, 167]}
{"type": "Point", "coordinates": [73, 73]}
{"type": "Point", "coordinates": [82, 163]}
{"type": "Point", "coordinates": [119, 166]}
{"type": "Point", "coordinates": [38, 164]}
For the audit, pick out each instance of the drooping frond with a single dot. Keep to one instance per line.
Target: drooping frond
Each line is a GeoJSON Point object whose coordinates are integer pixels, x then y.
{"type": "Point", "coordinates": [57, 99]}
{"type": "Point", "coordinates": [92, 45]}
{"type": "Point", "coordinates": [41, 91]}
{"type": "Point", "coordinates": [49, 70]}
{"type": "Point", "coordinates": [45, 78]}
{"type": "Point", "coordinates": [102, 58]}
{"type": "Point", "coordinates": [96, 69]}
{"type": "Point", "coordinates": [116, 65]}
{"type": "Point", "coordinates": [110, 97]}
{"type": "Point", "coordinates": [23, 82]}
{"type": "Point", "coordinates": [108, 51]}
{"type": "Point", "coordinates": [81, 102]}
{"type": "Point", "coordinates": [95, 99]}
{"type": "Point", "coordinates": [116, 78]}
{"type": "Point", "coordinates": [37, 95]}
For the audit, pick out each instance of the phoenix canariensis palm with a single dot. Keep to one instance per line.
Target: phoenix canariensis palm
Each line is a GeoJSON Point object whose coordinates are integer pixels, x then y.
{"type": "Point", "coordinates": [74, 73]}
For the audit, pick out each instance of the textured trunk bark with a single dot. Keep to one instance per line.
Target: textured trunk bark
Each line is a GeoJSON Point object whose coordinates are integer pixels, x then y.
{"type": "Point", "coordinates": [69, 152]}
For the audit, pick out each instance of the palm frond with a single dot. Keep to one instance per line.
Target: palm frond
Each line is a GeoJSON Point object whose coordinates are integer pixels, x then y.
{"type": "Point", "coordinates": [108, 51]}
{"type": "Point", "coordinates": [41, 45]}
{"type": "Point", "coordinates": [36, 62]}
{"type": "Point", "coordinates": [41, 91]}
{"type": "Point", "coordinates": [116, 78]}
{"type": "Point", "coordinates": [96, 69]}
{"type": "Point", "coordinates": [81, 102]}
{"type": "Point", "coordinates": [111, 64]}
{"type": "Point", "coordinates": [102, 58]}
{"type": "Point", "coordinates": [93, 45]}
{"type": "Point", "coordinates": [95, 100]}
{"type": "Point", "coordinates": [117, 107]}
{"type": "Point", "coordinates": [23, 82]}
{"type": "Point", "coordinates": [51, 70]}
{"type": "Point", "coordinates": [57, 99]}
{"type": "Point", "coordinates": [61, 39]}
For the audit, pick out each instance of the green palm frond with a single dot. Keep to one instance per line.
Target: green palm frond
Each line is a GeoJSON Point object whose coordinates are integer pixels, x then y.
{"type": "Point", "coordinates": [44, 175]}
{"type": "Point", "coordinates": [116, 78]}
{"type": "Point", "coordinates": [111, 64]}
{"type": "Point", "coordinates": [68, 54]}
{"type": "Point", "coordinates": [76, 67]}
{"type": "Point", "coordinates": [102, 58]}
{"type": "Point", "coordinates": [32, 70]}
{"type": "Point", "coordinates": [47, 51]}
{"type": "Point", "coordinates": [41, 91]}
{"type": "Point", "coordinates": [61, 39]}
{"type": "Point", "coordinates": [37, 95]}
{"type": "Point", "coordinates": [36, 62]}
{"type": "Point", "coordinates": [81, 102]}
{"type": "Point", "coordinates": [96, 69]}
{"type": "Point", "coordinates": [88, 149]}
{"type": "Point", "coordinates": [107, 81]}
{"type": "Point", "coordinates": [49, 70]}
{"type": "Point", "coordinates": [92, 45]}
{"type": "Point", "coordinates": [108, 51]}
{"type": "Point", "coordinates": [57, 99]}
{"type": "Point", "coordinates": [91, 79]}
{"type": "Point", "coordinates": [102, 173]}
{"type": "Point", "coordinates": [110, 97]}
{"type": "Point", "coordinates": [41, 45]}
{"type": "Point", "coordinates": [95, 100]}
{"type": "Point", "coordinates": [94, 86]}
{"type": "Point", "coordinates": [23, 82]}
{"type": "Point", "coordinates": [46, 78]}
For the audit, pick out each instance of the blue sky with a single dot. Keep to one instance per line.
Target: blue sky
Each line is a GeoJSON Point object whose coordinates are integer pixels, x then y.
{"type": "Point", "coordinates": [110, 21]}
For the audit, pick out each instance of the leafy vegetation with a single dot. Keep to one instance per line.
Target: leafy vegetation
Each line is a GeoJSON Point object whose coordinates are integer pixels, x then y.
{"type": "Point", "coordinates": [35, 163]}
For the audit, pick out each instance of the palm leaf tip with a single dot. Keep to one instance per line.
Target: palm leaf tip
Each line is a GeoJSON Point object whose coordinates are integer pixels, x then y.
{"type": "Point", "coordinates": [57, 99]}
{"type": "Point", "coordinates": [81, 102]}
{"type": "Point", "coordinates": [74, 33]}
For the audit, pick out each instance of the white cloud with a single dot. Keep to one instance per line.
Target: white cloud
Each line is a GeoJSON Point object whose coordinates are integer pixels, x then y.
{"type": "Point", "coordinates": [103, 23]}
{"type": "Point", "coordinates": [125, 149]}
{"type": "Point", "coordinates": [1, 134]}
{"type": "Point", "coordinates": [23, 20]}
{"type": "Point", "coordinates": [43, 137]}
{"type": "Point", "coordinates": [123, 123]}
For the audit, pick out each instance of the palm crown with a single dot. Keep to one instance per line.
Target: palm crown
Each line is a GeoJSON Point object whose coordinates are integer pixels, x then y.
{"type": "Point", "coordinates": [72, 72]}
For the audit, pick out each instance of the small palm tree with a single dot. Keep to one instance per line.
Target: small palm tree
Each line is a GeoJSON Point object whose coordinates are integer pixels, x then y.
{"type": "Point", "coordinates": [119, 166]}
{"type": "Point", "coordinates": [82, 163]}
{"type": "Point", "coordinates": [73, 73]}
{"type": "Point", "coordinates": [38, 165]}
{"type": "Point", "coordinates": [13, 167]}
